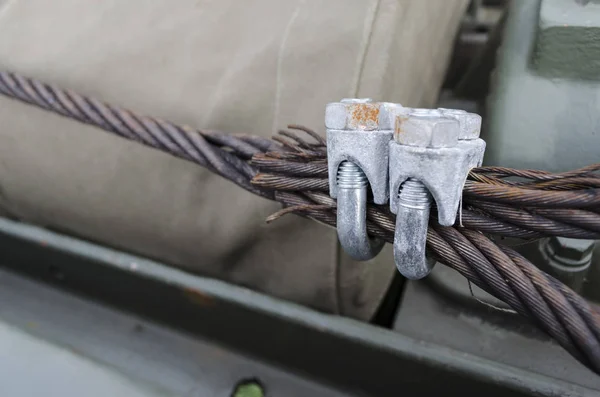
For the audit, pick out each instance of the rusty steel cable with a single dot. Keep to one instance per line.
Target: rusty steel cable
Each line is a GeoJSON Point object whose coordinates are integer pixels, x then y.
{"type": "Point", "coordinates": [292, 170]}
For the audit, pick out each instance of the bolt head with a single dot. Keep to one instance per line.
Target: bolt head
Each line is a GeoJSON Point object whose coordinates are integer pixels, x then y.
{"type": "Point", "coordinates": [362, 116]}
{"type": "Point", "coordinates": [571, 249]}
{"type": "Point", "coordinates": [469, 123]}
{"type": "Point", "coordinates": [426, 130]}
{"type": "Point", "coordinates": [354, 114]}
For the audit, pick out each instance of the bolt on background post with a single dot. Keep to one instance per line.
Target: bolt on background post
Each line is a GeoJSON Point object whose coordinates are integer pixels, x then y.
{"type": "Point", "coordinates": [567, 259]}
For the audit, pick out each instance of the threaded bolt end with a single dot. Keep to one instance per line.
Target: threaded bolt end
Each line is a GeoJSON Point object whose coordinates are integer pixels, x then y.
{"type": "Point", "coordinates": [413, 194]}
{"type": "Point", "coordinates": [351, 176]}
{"type": "Point", "coordinates": [420, 112]}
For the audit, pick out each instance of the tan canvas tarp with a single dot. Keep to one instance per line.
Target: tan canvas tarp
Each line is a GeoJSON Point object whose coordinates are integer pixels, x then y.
{"type": "Point", "coordinates": [239, 66]}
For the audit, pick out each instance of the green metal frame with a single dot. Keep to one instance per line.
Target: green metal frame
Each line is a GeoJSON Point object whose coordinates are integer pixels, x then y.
{"type": "Point", "coordinates": [348, 355]}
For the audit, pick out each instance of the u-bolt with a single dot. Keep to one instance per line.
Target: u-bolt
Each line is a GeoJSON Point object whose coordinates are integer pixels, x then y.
{"type": "Point", "coordinates": [352, 185]}
{"type": "Point", "coordinates": [430, 158]}
{"type": "Point", "coordinates": [358, 135]}
{"type": "Point", "coordinates": [410, 236]}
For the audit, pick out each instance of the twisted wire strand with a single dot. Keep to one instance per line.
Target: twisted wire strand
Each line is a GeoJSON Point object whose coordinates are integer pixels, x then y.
{"type": "Point", "coordinates": [583, 198]}
{"type": "Point", "coordinates": [547, 301]}
{"type": "Point", "coordinates": [486, 224]}
{"type": "Point", "coordinates": [201, 147]}
{"type": "Point", "coordinates": [535, 221]}
{"type": "Point", "coordinates": [574, 312]}
{"type": "Point", "coordinates": [574, 183]}
{"type": "Point", "coordinates": [579, 218]}
{"type": "Point", "coordinates": [538, 175]}
{"type": "Point", "coordinates": [269, 165]}
{"type": "Point", "coordinates": [293, 172]}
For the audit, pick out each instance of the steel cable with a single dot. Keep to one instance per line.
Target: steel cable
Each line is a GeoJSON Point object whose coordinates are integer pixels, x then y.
{"type": "Point", "coordinates": [202, 147]}
{"type": "Point", "coordinates": [534, 220]}
{"type": "Point", "coordinates": [493, 269]}
{"type": "Point", "coordinates": [293, 171]}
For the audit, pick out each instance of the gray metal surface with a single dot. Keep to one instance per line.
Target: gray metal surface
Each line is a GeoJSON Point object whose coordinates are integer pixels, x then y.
{"type": "Point", "coordinates": [467, 322]}
{"type": "Point", "coordinates": [353, 357]}
{"type": "Point", "coordinates": [568, 40]}
{"type": "Point", "coordinates": [61, 345]}
{"type": "Point", "coordinates": [534, 121]}
{"type": "Point", "coordinates": [33, 367]}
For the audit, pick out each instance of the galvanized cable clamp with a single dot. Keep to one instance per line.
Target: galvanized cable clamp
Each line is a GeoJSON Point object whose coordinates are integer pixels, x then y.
{"type": "Point", "coordinates": [411, 157]}
{"type": "Point", "coordinates": [430, 158]}
{"type": "Point", "coordinates": [358, 134]}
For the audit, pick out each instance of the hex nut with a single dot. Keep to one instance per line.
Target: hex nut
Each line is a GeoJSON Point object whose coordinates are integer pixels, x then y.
{"type": "Point", "coordinates": [335, 116]}
{"type": "Point", "coordinates": [469, 123]}
{"type": "Point", "coordinates": [354, 114]}
{"type": "Point", "coordinates": [571, 249]}
{"type": "Point", "coordinates": [426, 130]}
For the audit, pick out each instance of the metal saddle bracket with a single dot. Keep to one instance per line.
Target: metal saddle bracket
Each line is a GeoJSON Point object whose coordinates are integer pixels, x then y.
{"type": "Point", "coordinates": [430, 158]}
